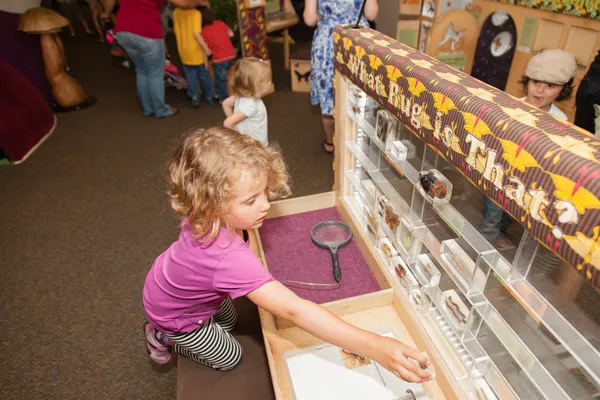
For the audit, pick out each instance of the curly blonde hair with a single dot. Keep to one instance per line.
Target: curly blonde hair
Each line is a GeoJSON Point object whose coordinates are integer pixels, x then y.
{"type": "Point", "coordinates": [204, 169]}
{"type": "Point", "coordinates": [250, 72]}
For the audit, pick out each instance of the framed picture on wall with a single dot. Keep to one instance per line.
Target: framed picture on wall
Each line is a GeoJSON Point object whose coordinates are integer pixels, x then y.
{"type": "Point", "coordinates": [254, 3]}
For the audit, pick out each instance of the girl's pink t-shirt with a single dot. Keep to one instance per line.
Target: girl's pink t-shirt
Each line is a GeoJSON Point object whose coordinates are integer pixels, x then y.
{"type": "Point", "coordinates": [188, 282]}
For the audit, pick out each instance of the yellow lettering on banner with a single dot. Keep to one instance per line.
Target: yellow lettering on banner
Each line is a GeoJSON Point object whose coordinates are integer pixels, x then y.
{"type": "Point", "coordinates": [477, 147]}
{"type": "Point", "coordinates": [371, 81]}
{"type": "Point", "coordinates": [379, 86]}
{"type": "Point", "coordinates": [393, 97]}
{"type": "Point", "coordinates": [437, 125]}
{"type": "Point", "coordinates": [567, 212]}
{"type": "Point", "coordinates": [493, 172]}
{"type": "Point", "coordinates": [363, 72]}
{"type": "Point", "coordinates": [538, 204]}
{"type": "Point", "coordinates": [447, 136]}
{"type": "Point", "coordinates": [353, 64]}
{"type": "Point", "coordinates": [405, 105]}
{"type": "Point", "coordinates": [415, 121]}
{"type": "Point", "coordinates": [516, 192]}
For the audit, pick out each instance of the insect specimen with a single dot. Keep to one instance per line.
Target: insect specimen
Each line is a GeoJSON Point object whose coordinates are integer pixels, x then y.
{"type": "Point", "coordinates": [400, 271]}
{"type": "Point", "coordinates": [432, 185]}
{"type": "Point", "coordinates": [381, 206]}
{"type": "Point", "coordinates": [497, 43]}
{"type": "Point", "coordinates": [459, 263]}
{"type": "Point", "coordinates": [353, 360]}
{"type": "Point", "coordinates": [427, 268]}
{"type": "Point", "coordinates": [417, 300]}
{"type": "Point", "coordinates": [455, 310]}
{"type": "Point", "coordinates": [387, 250]}
{"type": "Point", "coordinates": [405, 280]}
{"type": "Point", "coordinates": [392, 219]}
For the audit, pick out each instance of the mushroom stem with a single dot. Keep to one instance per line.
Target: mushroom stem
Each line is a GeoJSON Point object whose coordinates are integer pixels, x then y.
{"type": "Point", "coordinates": [65, 90]}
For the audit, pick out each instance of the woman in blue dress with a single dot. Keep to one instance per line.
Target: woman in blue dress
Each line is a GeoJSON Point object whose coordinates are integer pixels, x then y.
{"type": "Point", "coordinates": [326, 14]}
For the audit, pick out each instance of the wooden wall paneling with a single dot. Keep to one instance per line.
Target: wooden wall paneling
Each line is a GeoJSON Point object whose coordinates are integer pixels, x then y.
{"type": "Point", "coordinates": [548, 35]}
{"type": "Point", "coordinates": [580, 42]}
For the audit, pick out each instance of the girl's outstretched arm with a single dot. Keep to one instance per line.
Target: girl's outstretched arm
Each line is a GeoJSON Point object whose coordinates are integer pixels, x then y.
{"type": "Point", "coordinates": [390, 353]}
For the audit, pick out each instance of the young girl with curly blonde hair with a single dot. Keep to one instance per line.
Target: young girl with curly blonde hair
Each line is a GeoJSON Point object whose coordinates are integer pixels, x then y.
{"type": "Point", "coordinates": [221, 184]}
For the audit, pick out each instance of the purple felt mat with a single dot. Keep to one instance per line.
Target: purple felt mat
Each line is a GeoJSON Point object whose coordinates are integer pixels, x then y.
{"type": "Point", "coordinates": [291, 255]}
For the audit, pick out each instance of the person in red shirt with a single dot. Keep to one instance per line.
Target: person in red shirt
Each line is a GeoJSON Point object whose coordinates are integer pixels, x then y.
{"type": "Point", "coordinates": [217, 36]}
{"type": "Point", "coordinates": [139, 32]}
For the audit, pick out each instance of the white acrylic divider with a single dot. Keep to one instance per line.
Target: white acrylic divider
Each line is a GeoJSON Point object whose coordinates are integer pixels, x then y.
{"type": "Point", "coordinates": [467, 354]}
{"type": "Point", "coordinates": [527, 361]}
{"type": "Point", "coordinates": [533, 368]}
{"type": "Point", "coordinates": [461, 351]}
{"type": "Point", "coordinates": [579, 346]}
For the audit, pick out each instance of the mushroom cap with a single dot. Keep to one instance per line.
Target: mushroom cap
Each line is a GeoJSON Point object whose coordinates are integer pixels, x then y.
{"type": "Point", "coordinates": [41, 20]}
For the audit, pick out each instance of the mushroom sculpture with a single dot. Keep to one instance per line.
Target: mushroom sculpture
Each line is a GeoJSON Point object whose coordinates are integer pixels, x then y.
{"type": "Point", "coordinates": [67, 92]}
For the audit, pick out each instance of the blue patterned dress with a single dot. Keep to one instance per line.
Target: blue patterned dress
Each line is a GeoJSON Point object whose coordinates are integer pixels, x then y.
{"type": "Point", "coordinates": [332, 12]}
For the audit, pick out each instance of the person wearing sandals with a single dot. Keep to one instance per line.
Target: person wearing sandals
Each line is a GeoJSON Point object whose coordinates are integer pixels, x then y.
{"type": "Point", "coordinates": [326, 15]}
{"type": "Point", "coordinates": [139, 32]}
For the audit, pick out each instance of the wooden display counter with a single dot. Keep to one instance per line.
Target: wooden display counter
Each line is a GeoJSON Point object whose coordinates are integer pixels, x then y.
{"type": "Point", "coordinates": [376, 311]}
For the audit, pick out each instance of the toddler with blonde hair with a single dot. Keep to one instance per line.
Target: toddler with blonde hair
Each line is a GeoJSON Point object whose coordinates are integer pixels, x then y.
{"type": "Point", "coordinates": [245, 110]}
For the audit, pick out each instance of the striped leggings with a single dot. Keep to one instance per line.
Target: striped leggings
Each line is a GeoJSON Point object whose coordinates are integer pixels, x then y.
{"type": "Point", "coordinates": [212, 344]}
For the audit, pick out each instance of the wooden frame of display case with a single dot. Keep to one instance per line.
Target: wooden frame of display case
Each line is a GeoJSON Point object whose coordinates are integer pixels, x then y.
{"type": "Point", "coordinates": [390, 73]}
{"type": "Point", "coordinates": [372, 311]}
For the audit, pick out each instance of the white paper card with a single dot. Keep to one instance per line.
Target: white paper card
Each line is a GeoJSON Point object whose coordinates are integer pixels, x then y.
{"type": "Point", "coordinates": [326, 372]}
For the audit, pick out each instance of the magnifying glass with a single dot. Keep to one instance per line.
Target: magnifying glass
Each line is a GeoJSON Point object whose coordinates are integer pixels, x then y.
{"type": "Point", "coordinates": [332, 235]}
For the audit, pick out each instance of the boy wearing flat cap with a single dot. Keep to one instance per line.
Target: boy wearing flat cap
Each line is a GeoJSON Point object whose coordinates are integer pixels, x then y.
{"type": "Point", "coordinates": [548, 77]}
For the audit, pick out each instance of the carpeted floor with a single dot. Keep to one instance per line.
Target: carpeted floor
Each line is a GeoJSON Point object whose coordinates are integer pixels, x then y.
{"type": "Point", "coordinates": [84, 217]}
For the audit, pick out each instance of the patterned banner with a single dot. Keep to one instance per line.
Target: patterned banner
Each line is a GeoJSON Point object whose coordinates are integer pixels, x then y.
{"type": "Point", "coordinates": [253, 31]}
{"type": "Point", "coordinates": [541, 170]}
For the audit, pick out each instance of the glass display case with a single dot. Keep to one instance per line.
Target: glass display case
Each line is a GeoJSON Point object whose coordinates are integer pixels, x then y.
{"type": "Point", "coordinates": [522, 322]}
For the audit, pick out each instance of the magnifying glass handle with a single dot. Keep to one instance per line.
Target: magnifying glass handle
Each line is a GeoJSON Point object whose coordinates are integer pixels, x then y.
{"type": "Point", "coordinates": [337, 272]}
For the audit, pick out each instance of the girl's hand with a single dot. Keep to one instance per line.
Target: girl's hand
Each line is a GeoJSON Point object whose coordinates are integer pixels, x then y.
{"type": "Point", "coordinates": [395, 356]}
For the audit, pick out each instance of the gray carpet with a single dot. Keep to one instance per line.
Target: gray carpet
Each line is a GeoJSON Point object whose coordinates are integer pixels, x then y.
{"type": "Point", "coordinates": [83, 219]}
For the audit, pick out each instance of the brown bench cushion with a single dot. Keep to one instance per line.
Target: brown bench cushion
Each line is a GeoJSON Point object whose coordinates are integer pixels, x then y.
{"type": "Point", "coordinates": [250, 380]}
